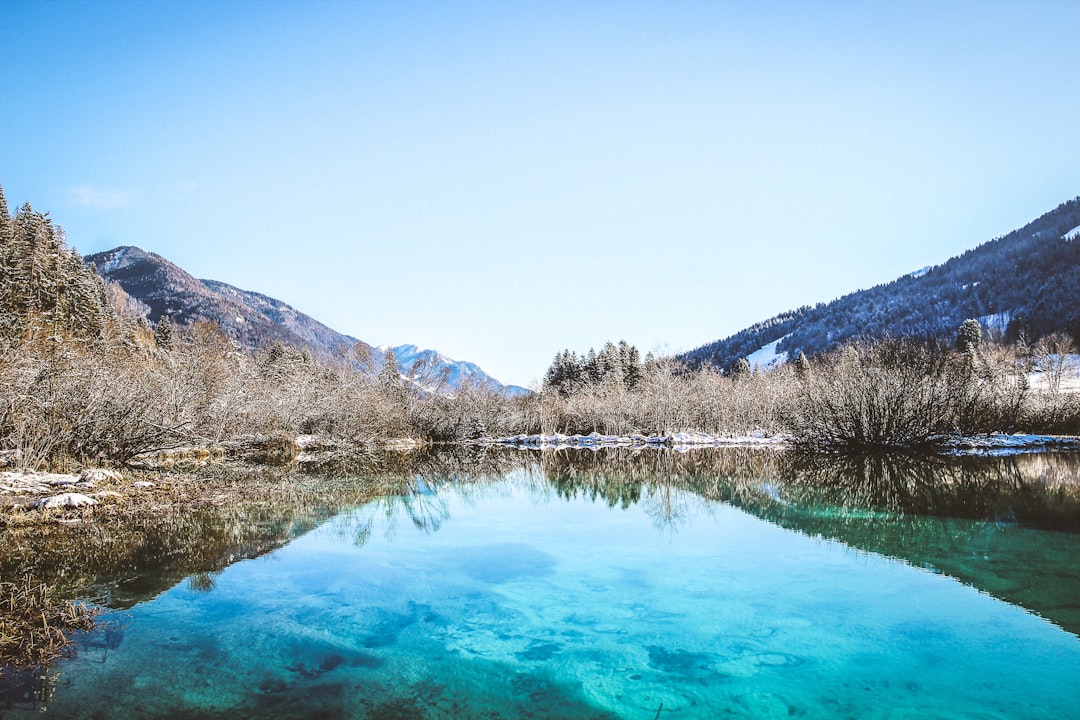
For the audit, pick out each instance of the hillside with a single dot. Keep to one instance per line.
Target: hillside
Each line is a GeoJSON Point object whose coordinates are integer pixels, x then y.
{"type": "Point", "coordinates": [251, 319]}
{"type": "Point", "coordinates": [1027, 282]}
{"type": "Point", "coordinates": [159, 288]}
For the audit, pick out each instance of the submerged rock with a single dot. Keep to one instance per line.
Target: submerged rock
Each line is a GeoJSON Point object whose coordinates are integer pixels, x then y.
{"type": "Point", "coordinates": [63, 501]}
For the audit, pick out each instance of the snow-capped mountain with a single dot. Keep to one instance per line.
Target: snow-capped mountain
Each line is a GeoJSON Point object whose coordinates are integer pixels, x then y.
{"type": "Point", "coordinates": [436, 372]}
{"type": "Point", "coordinates": [161, 288]}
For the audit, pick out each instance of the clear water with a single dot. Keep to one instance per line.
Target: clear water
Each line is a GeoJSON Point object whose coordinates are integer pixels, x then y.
{"type": "Point", "coordinates": [517, 599]}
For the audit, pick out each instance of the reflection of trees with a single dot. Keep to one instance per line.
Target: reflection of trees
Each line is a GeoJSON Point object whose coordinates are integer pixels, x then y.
{"type": "Point", "coordinates": [859, 498]}
{"type": "Point", "coordinates": [909, 507]}
{"type": "Point", "coordinates": [927, 511]}
{"type": "Point", "coordinates": [417, 500]}
{"type": "Point", "coordinates": [1041, 491]}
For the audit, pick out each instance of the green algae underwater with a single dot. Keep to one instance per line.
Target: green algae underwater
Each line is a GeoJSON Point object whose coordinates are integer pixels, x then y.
{"type": "Point", "coordinates": [519, 584]}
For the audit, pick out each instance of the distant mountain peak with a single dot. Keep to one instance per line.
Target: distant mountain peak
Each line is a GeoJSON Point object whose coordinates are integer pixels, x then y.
{"type": "Point", "coordinates": [439, 369]}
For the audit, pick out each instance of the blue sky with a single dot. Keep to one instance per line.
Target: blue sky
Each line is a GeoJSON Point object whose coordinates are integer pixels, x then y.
{"type": "Point", "coordinates": [504, 180]}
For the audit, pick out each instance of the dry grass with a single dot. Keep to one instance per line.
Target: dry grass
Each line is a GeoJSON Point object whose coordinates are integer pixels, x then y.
{"type": "Point", "coordinates": [35, 625]}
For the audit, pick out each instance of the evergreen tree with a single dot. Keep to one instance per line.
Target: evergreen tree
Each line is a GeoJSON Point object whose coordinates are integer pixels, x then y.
{"type": "Point", "coordinates": [741, 369]}
{"type": "Point", "coordinates": [390, 375]}
{"type": "Point", "coordinates": [7, 229]}
{"type": "Point", "coordinates": [631, 364]}
{"type": "Point", "coordinates": [802, 366]}
{"type": "Point", "coordinates": [609, 362]}
{"type": "Point", "coordinates": [163, 333]}
{"type": "Point", "coordinates": [969, 336]}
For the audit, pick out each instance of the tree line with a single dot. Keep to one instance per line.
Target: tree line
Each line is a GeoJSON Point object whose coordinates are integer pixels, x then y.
{"type": "Point", "coordinates": [84, 379]}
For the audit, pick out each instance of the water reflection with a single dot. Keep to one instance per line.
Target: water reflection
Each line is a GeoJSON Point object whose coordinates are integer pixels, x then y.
{"type": "Point", "coordinates": [1008, 526]}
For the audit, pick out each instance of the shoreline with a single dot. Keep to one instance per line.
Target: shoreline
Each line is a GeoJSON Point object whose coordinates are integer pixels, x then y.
{"type": "Point", "coordinates": [188, 478]}
{"type": "Point", "coordinates": [989, 444]}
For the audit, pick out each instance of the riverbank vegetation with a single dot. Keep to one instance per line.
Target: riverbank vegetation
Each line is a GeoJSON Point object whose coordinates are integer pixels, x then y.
{"type": "Point", "coordinates": [86, 380]}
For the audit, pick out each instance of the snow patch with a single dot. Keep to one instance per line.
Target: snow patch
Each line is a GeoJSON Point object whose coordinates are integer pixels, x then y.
{"type": "Point", "coordinates": [997, 322]}
{"type": "Point", "coordinates": [1000, 444]}
{"type": "Point", "coordinates": [921, 271]}
{"type": "Point", "coordinates": [1072, 234]}
{"type": "Point", "coordinates": [63, 501]}
{"type": "Point", "coordinates": [767, 356]}
{"type": "Point", "coordinates": [114, 261]}
{"type": "Point", "coordinates": [676, 441]}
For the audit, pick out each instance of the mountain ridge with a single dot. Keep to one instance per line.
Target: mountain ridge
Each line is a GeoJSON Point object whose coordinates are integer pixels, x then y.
{"type": "Point", "coordinates": [160, 288]}
{"type": "Point", "coordinates": [1025, 283]}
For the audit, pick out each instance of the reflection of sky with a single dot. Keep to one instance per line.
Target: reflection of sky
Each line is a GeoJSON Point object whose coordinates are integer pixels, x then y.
{"type": "Point", "coordinates": [523, 599]}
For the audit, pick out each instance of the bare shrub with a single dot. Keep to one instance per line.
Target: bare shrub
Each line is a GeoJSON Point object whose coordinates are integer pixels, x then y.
{"type": "Point", "coordinates": [889, 393]}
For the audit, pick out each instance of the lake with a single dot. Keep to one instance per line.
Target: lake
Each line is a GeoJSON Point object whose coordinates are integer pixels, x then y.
{"type": "Point", "coordinates": [519, 584]}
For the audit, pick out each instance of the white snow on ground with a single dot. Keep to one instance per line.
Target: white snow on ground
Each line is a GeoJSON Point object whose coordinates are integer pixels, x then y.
{"type": "Point", "coordinates": [1072, 234]}
{"type": "Point", "coordinates": [677, 441]}
{"type": "Point", "coordinates": [999, 444]}
{"type": "Point", "coordinates": [921, 271]}
{"type": "Point", "coordinates": [1069, 381]}
{"type": "Point", "coordinates": [767, 357]}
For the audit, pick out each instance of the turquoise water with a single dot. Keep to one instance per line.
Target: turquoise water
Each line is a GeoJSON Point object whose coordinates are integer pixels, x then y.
{"type": "Point", "coordinates": [509, 600]}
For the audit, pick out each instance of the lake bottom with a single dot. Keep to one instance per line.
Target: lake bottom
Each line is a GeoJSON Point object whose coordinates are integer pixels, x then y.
{"type": "Point", "coordinates": [525, 604]}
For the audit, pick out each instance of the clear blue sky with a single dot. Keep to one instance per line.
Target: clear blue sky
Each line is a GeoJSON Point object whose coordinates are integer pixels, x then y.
{"type": "Point", "coordinates": [504, 180]}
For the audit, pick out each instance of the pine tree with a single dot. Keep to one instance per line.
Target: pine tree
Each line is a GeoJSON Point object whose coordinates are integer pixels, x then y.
{"type": "Point", "coordinates": [609, 362]}
{"type": "Point", "coordinates": [7, 228]}
{"type": "Point", "coordinates": [631, 364]}
{"type": "Point", "coordinates": [47, 290]}
{"type": "Point", "coordinates": [163, 333]}
{"type": "Point", "coordinates": [390, 375]}
{"type": "Point", "coordinates": [802, 366]}
{"type": "Point", "coordinates": [969, 336]}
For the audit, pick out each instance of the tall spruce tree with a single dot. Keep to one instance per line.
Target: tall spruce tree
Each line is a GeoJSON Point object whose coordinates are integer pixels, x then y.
{"type": "Point", "coordinates": [390, 375]}
{"type": "Point", "coordinates": [47, 291]}
{"type": "Point", "coordinates": [969, 336]}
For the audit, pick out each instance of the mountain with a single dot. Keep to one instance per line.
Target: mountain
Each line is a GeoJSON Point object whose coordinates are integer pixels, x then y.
{"type": "Point", "coordinates": [1027, 282]}
{"type": "Point", "coordinates": [431, 369]}
{"type": "Point", "coordinates": [158, 287]}
{"type": "Point", "coordinates": [251, 319]}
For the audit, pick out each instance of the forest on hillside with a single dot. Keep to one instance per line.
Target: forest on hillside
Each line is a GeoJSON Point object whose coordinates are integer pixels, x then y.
{"type": "Point", "coordinates": [86, 379]}
{"type": "Point", "coordinates": [1024, 286]}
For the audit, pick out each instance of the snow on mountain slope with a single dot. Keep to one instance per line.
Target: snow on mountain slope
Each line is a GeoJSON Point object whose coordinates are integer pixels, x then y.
{"type": "Point", "coordinates": [767, 356]}
{"type": "Point", "coordinates": [921, 271]}
{"type": "Point", "coordinates": [436, 372]}
{"type": "Point", "coordinates": [996, 323]}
